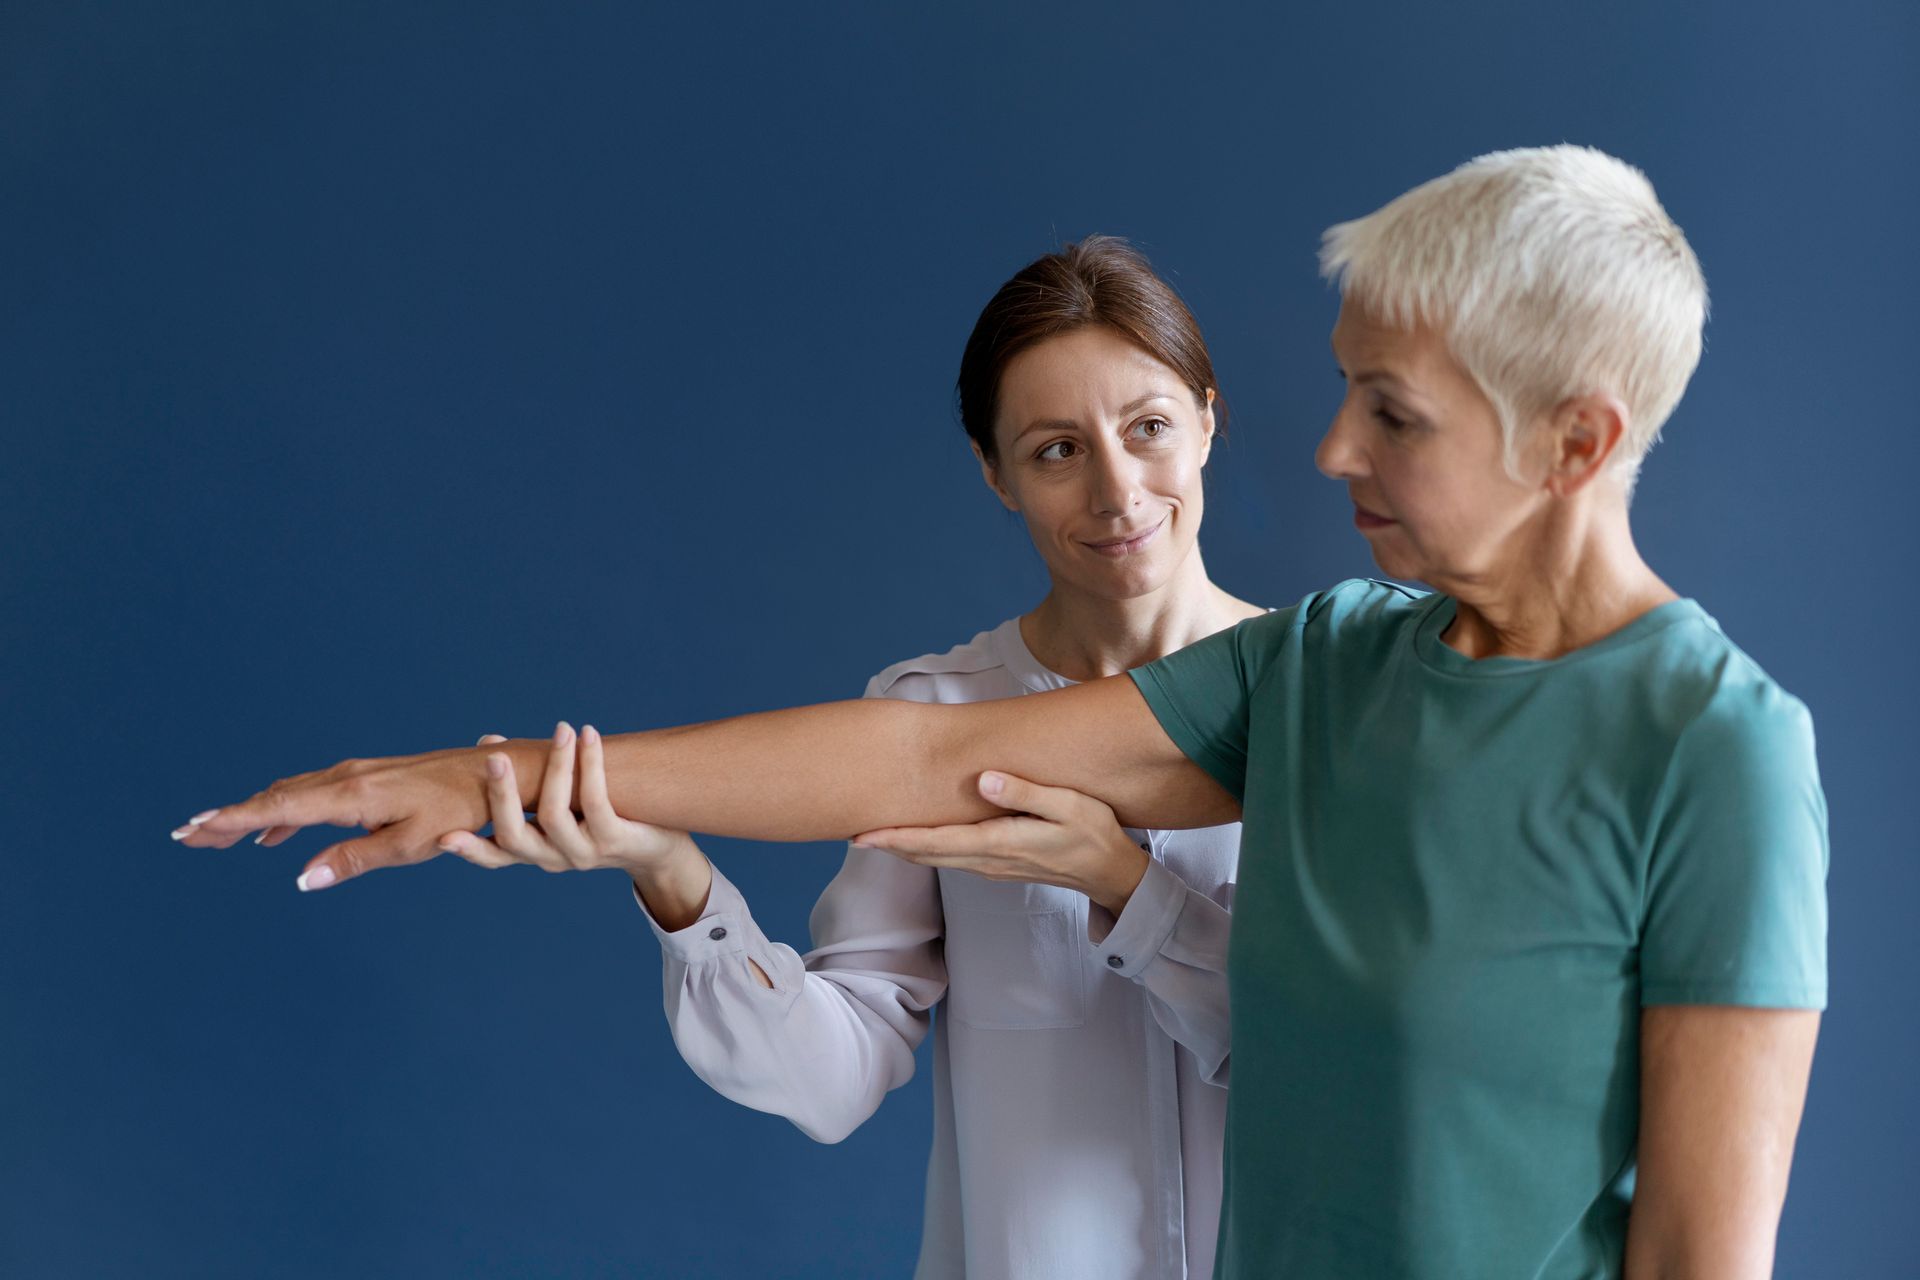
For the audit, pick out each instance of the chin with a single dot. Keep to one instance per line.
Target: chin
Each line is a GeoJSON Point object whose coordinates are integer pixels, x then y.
{"type": "Point", "coordinates": [1399, 567]}
{"type": "Point", "coordinates": [1125, 582]}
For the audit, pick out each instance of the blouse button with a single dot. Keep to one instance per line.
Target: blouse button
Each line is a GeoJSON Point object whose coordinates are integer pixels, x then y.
{"type": "Point", "coordinates": [716, 933]}
{"type": "Point", "coordinates": [1114, 962]}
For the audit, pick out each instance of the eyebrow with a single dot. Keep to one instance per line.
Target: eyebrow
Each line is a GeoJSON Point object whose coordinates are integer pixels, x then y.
{"type": "Point", "coordinates": [1068, 424]}
{"type": "Point", "coordinates": [1399, 385]}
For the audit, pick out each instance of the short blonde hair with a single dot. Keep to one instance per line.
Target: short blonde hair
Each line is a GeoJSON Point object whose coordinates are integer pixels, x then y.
{"type": "Point", "coordinates": [1552, 272]}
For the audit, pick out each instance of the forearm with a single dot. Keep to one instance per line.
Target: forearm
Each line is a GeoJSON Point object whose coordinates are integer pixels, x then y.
{"type": "Point", "coordinates": [820, 1047]}
{"type": "Point", "coordinates": [810, 773]}
{"type": "Point", "coordinates": [838, 769]}
{"type": "Point", "coordinates": [1172, 939]}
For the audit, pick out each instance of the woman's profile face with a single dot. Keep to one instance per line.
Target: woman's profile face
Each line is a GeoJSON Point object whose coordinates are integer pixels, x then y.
{"type": "Point", "coordinates": [1100, 451]}
{"type": "Point", "coordinates": [1420, 449]}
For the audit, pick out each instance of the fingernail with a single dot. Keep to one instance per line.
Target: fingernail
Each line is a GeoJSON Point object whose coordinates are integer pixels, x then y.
{"type": "Point", "coordinates": [181, 833]}
{"type": "Point", "coordinates": [589, 734]}
{"type": "Point", "coordinates": [261, 838]}
{"type": "Point", "coordinates": [561, 733]}
{"type": "Point", "coordinates": [991, 784]}
{"type": "Point", "coordinates": [496, 766]}
{"type": "Point", "coordinates": [315, 878]}
{"type": "Point", "coordinates": [199, 818]}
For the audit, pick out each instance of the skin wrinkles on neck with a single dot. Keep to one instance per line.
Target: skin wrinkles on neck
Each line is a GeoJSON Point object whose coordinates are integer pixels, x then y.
{"type": "Point", "coordinates": [1575, 578]}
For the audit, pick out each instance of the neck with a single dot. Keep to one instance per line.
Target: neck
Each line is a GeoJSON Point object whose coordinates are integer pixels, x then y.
{"type": "Point", "coordinates": [1578, 580]}
{"type": "Point", "coordinates": [1084, 636]}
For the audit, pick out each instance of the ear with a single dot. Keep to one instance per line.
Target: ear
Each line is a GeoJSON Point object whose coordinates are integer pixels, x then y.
{"type": "Point", "coordinates": [1206, 429]}
{"type": "Point", "coordinates": [1586, 432]}
{"type": "Point", "coordinates": [990, 472]}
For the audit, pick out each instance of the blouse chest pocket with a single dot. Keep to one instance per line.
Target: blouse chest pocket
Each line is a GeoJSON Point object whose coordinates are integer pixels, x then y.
{"type": "Point", "coordinates": [1016, 953]}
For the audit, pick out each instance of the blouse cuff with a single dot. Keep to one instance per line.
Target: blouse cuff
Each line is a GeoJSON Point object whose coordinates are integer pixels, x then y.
{"type": "Point", "coordinates": [721, 929]}
{"type": "Point", "coordinates": [1145, 923]}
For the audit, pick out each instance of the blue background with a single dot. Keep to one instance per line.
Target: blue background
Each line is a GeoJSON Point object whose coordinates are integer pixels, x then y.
{"type": "Point", "coordinates": [375, 376]}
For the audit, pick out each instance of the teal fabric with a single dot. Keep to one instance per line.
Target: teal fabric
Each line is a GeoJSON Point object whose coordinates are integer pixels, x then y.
{"type": "Point", "coordinates": [1460, 881]}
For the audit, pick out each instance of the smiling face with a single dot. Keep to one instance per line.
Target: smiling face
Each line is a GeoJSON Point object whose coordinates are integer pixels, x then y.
{"type": "Point", "coordinates": [1099, 447]}
{"type": "Point", "coordinates": [1419, 447]}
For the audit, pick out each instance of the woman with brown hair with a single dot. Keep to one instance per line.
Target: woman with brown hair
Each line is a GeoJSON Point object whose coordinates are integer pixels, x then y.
{"type": "Point", "coordinates": [1079, 1073]}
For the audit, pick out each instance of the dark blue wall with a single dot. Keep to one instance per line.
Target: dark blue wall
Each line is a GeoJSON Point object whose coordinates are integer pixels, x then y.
{"type": "Point", "coordinates": [375, 376]}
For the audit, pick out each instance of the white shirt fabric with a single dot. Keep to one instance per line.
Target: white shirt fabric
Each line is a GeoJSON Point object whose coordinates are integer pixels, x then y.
{"type": "Point", "coordinates": [1080, 1070]}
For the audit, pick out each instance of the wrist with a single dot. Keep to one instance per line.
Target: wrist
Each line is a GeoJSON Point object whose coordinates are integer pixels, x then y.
{"type": "Point", "coordinates": [528, 756]}
{"type": "Point", "coordinates": [675, 888]}
{"type": "Point", "coordinates": [1121, 875]}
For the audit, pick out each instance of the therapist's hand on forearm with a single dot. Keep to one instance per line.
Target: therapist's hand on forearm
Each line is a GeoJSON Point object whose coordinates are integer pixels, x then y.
{"type": "Point", "coordinates": [1056, 836]}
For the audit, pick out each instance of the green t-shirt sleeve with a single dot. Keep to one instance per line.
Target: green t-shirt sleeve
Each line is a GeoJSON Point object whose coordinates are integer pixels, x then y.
{"type": "Point", "coordinates": [1736, 906]}
{"type": "Point", "coordinates": [1202, 694]}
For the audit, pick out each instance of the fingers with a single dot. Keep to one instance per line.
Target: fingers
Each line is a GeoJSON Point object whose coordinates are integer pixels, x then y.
{"type": "Point", "coordinates": [557, 822]}
{"type": "Point", "coordinates": [603, 824]}
{"type": "Point", "coordinates": [1056, 804]}
{"type": "Point", "coordinates": [512, 834]}
{"type": "Point", "coordinates": [388, 847]}
{"type": "Point", "coordinates": [285, 806]}
{"type": "Point", "coordinates": [503, 800]}
{"type": "Point", "coordinates": [479, 851]}
{"type": "Point", "coordinates": [935, 846]}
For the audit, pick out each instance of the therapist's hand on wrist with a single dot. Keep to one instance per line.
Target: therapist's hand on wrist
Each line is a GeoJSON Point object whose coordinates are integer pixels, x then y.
{"type": "Point", "coordinates": [559, 839]}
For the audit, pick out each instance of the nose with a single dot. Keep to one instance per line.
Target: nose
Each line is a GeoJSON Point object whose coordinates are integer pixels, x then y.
{"type": "Point", "coordinates": [1338, 455]}
{"type": "Point", "coordinates": [1115, 483]}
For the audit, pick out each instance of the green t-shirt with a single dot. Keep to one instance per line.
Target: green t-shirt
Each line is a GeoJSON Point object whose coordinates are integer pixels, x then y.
{"type": "Point", "coordinates": [1460, 881]}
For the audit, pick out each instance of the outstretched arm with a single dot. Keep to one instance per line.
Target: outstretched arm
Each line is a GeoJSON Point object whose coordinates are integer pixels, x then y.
{"type": "Point", "coordinates": [809, 773]}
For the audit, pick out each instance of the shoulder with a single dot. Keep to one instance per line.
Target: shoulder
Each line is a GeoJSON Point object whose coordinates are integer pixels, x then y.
{"type": "Point", "coordinates": [967, 672]}
{"type": "Point", "coordinates": [1345, 612]}
{"type": "Point", "coordinates": [1720, 697]}
{"type": "Point", "coordinates": [1739, 740]}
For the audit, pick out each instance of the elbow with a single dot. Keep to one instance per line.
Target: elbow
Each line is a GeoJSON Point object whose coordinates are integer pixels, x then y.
{"type": "Point", "coordinates": [830, 1121]}
{"type": "Point", "coordinates": [827, 1130]}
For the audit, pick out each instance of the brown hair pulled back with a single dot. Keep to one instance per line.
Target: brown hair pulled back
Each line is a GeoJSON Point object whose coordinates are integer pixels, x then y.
{"type": "Point", "coordinates": [1102, 280]}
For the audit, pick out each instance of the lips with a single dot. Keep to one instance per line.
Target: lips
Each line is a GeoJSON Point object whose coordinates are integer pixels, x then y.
{"type": "Point", "coordinates": [1127, 544]}
{"type": "Point", "coordinates": [1366, 519]}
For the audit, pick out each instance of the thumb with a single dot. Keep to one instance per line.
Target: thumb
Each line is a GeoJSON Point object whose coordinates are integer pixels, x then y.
{"type": "Point", "coordinates": [1009, 792]}
{"type": "Point", "coordinates": [387, 847]}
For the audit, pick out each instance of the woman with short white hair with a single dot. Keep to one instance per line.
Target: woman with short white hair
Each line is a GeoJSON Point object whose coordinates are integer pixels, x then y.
{"type": "Point", "coordinates": [1529, 937]}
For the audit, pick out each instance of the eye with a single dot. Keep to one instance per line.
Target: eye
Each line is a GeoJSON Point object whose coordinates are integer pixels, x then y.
{"type": "Point", "coordinates": [1058, 451]}
{"type": "Point", "coordinates": [1151, 429]}
{"type": "Point", "coordinates": [1387, 414]}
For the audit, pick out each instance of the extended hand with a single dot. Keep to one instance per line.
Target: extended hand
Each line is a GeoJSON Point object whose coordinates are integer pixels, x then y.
{"type": "Point", "coordinates": [406, 803]}
{"type": "Point", "coordinates": [1058, 837]}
